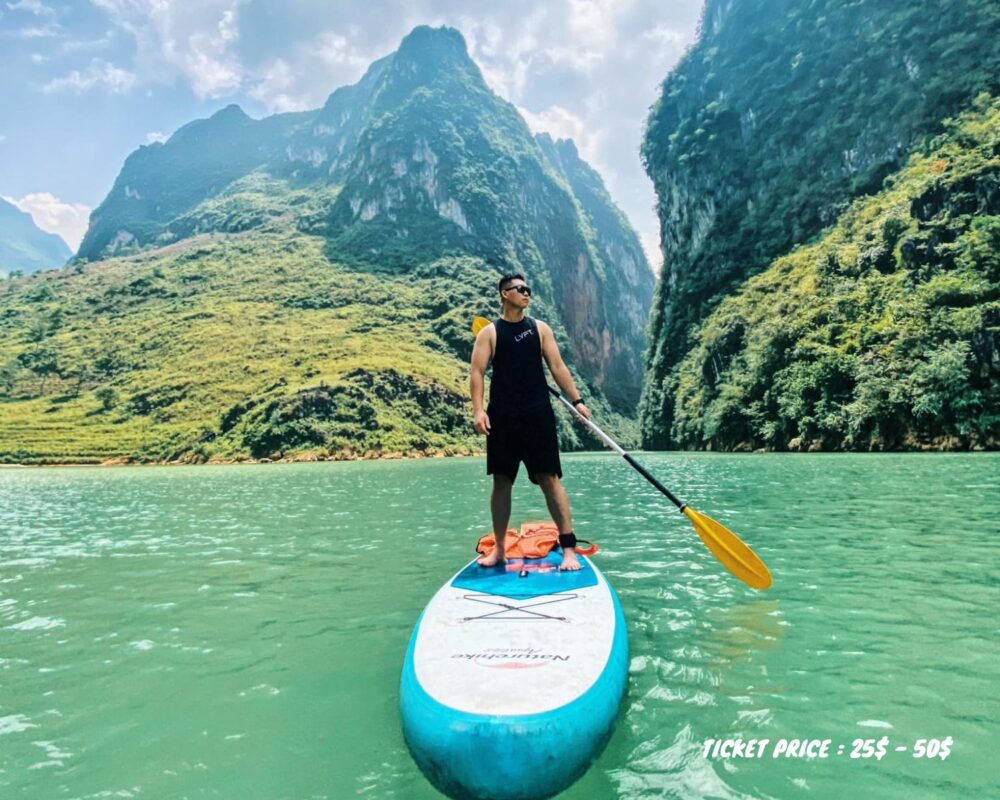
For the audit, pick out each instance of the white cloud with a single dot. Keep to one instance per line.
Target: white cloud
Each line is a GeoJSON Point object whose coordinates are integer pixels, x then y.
{"type": "Point", "coordinates": [337, 50]}
{"type": "Point", "coordinates": [306, 75]}
{"type": "Point", "coordinates": [156, 136]}
{"type": "Point", "coordinates": [210, 76]}
{"type": "Point", "coordinates": [664, 35]}
{"type": "Point", "coordinates": [273, 89]}
{"type": "Point", "coordinates": [191, 41]}
{"type": "Point", "coordinates": [484, 39]}
{"type": "Point", "coordinates": [35, 7]}
{"type": "Point", "coordinates": [3, 138]}
{"type": "Point", "coordinates": [650, 240]}
{"type": "Point", "coordinates": [504, 57]}
{"type": "Point", "coordinates": [99, 74]}
{"type": "Point", "coordinates": [68, 220]}
{"type": "Point", "coordinates": [561, 123]}
{"type": "Point", "coordinates": [34, 32]}
{"type": "Point", "coordinates": [507, 80]}
{"type": "Point", "coordinates": [75, 45]}
{"type": "Point", "coordinates": [207, 63]}
{"type": "Point", "coordinates": [593, 32]}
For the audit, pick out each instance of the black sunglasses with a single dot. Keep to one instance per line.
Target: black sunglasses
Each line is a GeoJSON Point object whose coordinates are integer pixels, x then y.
{"type": "Point", "coordinates": [523, 289]}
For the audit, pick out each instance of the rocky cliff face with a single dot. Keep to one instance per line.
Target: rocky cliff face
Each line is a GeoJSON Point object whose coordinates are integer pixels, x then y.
{"type": "Point", "coordinates": [449, 167]}
{"type": "Point", "coordinates": [881, 334]}
{"type": "Point", "coordinates": [324, 144]}
{"type": "Point", "coordinates": [781, 113]}
{"type": "Point", "coordinates": [416, 162]}
{"type": "Point", "coordinates": [627, 294]}
{"type": "Point", "coordinates": [160, 182]}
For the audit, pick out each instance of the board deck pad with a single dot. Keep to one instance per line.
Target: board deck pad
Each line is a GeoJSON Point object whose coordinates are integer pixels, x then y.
{"type": "Point", "coordinates": [542, 576]}
{"type": "Point", "coordinates": [484, 630]}
{"type": "Point", "coordinates": [520, 659]}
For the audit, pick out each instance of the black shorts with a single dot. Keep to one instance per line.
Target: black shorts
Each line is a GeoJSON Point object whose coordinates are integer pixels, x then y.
{"type": "Point", "coordinates": [529, 437]}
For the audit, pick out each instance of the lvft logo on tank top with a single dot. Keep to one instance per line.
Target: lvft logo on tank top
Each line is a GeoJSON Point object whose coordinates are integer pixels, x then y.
{"type": "Point", "coordinates": [518, 337]}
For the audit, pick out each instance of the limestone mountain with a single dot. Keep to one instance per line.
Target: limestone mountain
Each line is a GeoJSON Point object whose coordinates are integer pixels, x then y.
{"type": "Point", "coordinates": [883, 333]}
{"type": "Point", "coordinates": [781, 113]}
{"type": "Point", "coordinates": [617, 244]}
{"type": "Point", "coordinates": [425, 161]}
{"type": "Point", "coordinates": [24, 247]}
{"type": "Point", "coordinates": [305, 283]}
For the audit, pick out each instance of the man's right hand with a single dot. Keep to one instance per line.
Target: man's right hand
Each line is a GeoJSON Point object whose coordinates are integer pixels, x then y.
{"type": "Point", "coordinates": [482, 423]}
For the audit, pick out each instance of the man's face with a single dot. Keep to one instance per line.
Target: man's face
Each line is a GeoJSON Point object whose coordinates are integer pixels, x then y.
{"type": "Point", "coordinates": [517, 293]}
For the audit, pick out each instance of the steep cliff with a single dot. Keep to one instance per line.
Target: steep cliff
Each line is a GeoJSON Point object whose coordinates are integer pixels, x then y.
{"type": "Point", "coordinates": [449, 168]}
{"type": "Point", "coordinates": [882, 334]}
{"type": "Point", "coordinates": [159, 182]}
{"type": "Point", "coordinates": [629, 288]}
{"type": "Point", "coordinates": [419, 160]}
{"type": "Point", "coordinates": [779, 115]}
{"type": "Point", "coordinates": [304, 285]}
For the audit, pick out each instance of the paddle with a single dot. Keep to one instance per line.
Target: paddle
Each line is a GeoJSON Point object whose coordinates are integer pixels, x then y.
{"type": "Point", "coordinates": [722, 542]}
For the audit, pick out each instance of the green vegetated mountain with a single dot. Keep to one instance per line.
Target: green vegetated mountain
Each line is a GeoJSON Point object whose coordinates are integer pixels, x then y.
{"type": "Point", "coordinates": [883, 333]}
{"type": "Point", "coordinates": [780, 115]}
{"type": "Point", "coordinates": [304, 285]}
{"type": "Point", "coordinates": [24, 247]}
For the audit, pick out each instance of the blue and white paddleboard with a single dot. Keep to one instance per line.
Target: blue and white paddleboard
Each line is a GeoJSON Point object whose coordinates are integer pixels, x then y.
{"type": "Point", "coordinates": [513, 679]}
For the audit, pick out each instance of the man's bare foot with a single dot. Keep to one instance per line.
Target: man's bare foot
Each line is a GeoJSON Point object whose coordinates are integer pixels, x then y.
{"type": "Point", "coordinates": [494, 558]}
{"type": "Point", "coordinates": [570, 561]}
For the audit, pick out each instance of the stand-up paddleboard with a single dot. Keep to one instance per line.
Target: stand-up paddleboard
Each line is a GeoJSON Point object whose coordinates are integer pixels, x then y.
{"type": "Point", "coordinates": [513, 679]}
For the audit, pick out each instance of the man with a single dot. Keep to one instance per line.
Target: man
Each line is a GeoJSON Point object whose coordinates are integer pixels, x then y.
{"type": "Point", "coordinates": [519, 423]}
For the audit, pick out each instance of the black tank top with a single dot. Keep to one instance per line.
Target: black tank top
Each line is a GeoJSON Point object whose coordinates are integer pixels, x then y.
{"type": "Point", "coordinates": [518, 383]}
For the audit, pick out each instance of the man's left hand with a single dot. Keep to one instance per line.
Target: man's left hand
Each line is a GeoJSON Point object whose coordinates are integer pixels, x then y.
{"type": "Point", "coordinates": [582, 409]}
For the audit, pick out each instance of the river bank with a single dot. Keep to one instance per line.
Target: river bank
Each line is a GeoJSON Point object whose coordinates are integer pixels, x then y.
{"type": "Point", "coordinates": [347, 455]}
{"type": "Point", "coordinates": [297, 458]}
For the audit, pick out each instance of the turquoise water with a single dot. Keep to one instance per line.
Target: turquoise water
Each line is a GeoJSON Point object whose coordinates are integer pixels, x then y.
{"type": "Point", "coordinates": [238, 632]}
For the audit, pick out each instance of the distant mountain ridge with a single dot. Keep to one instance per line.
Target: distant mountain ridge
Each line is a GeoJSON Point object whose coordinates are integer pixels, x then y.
{"type": "Point", "coordinates": [420, 160]}
{"type": "Point", "coordinates": [328, 264]}
{"type": "Point", "coordinates": [24, 247]}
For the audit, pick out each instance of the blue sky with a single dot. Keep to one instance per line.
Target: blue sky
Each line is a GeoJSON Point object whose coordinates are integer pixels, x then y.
{"type": "Point", "coordinates": [85, 82]}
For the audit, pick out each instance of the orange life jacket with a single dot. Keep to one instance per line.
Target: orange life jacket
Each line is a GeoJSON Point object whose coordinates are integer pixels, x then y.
{"type": "Point", "coordinates": [534, 540]}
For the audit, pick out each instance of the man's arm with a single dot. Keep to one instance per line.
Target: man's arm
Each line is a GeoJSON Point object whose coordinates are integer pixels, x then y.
{"type": "Point", "coordinates": [559, 370]}
{"type": "Point", "coordinates": [482, 352]}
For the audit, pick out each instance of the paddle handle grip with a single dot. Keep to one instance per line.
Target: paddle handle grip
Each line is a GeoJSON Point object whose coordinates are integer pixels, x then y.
{"type": "Point", "coordinates": [618, 449]}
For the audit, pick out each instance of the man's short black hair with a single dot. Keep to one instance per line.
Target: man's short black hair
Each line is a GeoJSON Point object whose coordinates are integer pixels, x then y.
{"type": "Point", "coordinates": [508, 279]}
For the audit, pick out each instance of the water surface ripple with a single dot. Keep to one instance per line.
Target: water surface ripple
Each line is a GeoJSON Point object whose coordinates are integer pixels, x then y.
{"type": "Point", "coordinates": [238, 632]}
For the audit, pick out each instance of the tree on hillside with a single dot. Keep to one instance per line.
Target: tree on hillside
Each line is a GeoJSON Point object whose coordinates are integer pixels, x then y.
{"type": "Point", "coordinates": [8, 376]}
{"type": "Point", "coordinates": [43, 362]}
{"type": "Point", "coordinates": [107, 396]}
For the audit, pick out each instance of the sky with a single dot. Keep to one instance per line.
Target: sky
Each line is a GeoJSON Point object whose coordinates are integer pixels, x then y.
{"type": "Point", "coordinates": [85, 82]}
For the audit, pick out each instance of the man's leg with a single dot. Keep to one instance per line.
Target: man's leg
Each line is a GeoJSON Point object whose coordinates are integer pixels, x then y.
{"type": "Point", "coordinates": [500, 509]}
{"type": "Point", "coordinates": [558, 503]}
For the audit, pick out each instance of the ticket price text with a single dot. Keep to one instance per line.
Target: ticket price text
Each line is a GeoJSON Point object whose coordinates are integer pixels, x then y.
{"type": "Point", "coordinates": [826, 748]}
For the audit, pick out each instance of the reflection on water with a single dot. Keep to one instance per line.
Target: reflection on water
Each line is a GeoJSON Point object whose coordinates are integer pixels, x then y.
{"type": "Point", "coordinates": [239, 631]}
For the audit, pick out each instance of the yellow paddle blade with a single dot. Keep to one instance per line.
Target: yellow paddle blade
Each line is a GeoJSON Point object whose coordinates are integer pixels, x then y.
{"type": "Point", "coordinates": [478, 323]}
{"type": "Point", "coordinates": [727, 547]}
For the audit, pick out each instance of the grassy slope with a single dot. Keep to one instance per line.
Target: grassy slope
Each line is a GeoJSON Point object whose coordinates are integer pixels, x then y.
{"type": "Point", "coordinates": [883, 333]}
{"type": "Point", "coordinates": [154, 351]}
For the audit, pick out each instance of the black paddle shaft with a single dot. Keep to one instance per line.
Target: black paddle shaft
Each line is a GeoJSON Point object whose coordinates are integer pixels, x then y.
{"type": "Point", "coordinates": [645, 473]}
